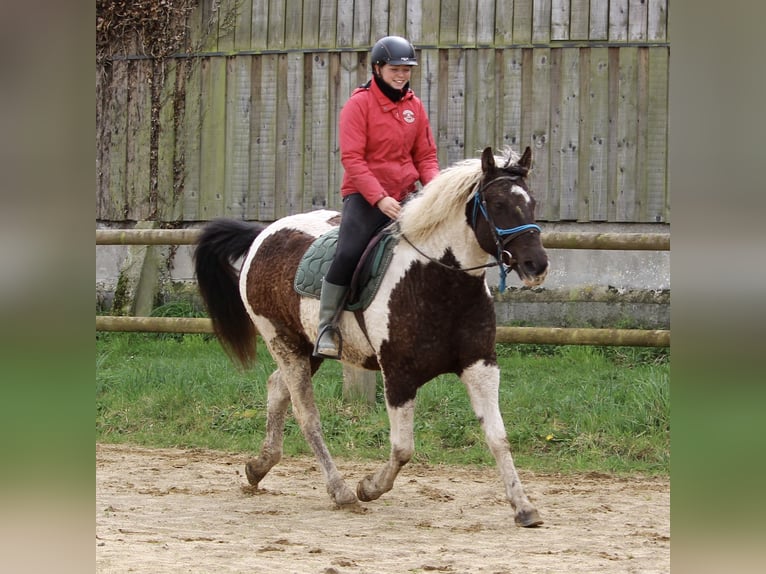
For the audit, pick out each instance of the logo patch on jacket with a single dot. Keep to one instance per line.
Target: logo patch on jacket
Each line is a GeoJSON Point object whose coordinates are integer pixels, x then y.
{"type": "Point", "coordinates": [409, 116]}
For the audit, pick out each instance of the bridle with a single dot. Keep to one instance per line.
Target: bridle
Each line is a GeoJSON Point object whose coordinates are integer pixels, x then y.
{"type": "Point", "coordinates": [507, 235]}
{"type": "Point", "coordinates": [501, 237]}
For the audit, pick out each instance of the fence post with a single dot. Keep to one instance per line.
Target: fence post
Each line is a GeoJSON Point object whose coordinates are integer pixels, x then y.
{"type": "Point", "coordinates": [359, 384]}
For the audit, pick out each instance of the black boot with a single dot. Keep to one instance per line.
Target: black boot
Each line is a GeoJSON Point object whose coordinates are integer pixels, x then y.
{"type": "Point", "coordinates": [329, 344]}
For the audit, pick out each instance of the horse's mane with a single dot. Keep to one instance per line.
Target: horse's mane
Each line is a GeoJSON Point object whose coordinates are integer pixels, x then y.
{"type": "Point", "coordinates": [444, 198]}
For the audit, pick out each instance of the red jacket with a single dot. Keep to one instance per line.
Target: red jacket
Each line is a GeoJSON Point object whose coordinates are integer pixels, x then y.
{"type": "Point", "coordinates": [385, 146]}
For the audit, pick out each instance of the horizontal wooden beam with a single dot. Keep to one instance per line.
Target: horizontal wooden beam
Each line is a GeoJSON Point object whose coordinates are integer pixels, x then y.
{"type": "Point", "coordinates": [521, 335]}
{"type": "Point", "coordinates": [551, 240]}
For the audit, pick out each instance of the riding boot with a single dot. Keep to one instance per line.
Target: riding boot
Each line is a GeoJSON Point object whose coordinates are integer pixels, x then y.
{"type": "Point", "coordinates": [329, 344]}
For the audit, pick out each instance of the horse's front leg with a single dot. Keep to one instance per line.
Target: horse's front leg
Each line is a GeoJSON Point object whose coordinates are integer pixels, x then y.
{"type": "Point", "coordinates": [401, 419]}
{"type": "Point", "coordinates": [278, 400]}
{"type": "Point", "coordinates": [483, 383]}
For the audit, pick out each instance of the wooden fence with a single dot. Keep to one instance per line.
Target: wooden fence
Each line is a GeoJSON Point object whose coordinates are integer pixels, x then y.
{"type": "Point", "coordinates": [243, 121]}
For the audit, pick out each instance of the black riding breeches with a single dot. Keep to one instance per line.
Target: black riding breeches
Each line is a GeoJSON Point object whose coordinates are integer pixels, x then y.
{"type": "Point", "coordinates": [359, 223]}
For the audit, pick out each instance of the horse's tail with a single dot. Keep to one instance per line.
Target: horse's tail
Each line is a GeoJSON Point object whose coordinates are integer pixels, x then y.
{"type": "Point", "coordinates": [221, 243]}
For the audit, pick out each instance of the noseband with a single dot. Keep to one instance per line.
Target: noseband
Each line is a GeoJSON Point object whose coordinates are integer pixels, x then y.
{"type": "Point", "coordinates": [501, 237]}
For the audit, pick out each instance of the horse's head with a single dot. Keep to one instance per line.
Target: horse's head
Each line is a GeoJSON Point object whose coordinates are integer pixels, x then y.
{"type": "Point", "coordinates": [502, 215]}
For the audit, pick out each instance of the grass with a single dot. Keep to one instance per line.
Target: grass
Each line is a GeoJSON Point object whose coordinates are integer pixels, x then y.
{"type": "Point", "coordinates": [566, 409]}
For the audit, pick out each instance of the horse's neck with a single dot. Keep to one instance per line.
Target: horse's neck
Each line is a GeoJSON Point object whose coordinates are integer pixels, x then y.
{"type": "Point", "coordinates": [461, 241]}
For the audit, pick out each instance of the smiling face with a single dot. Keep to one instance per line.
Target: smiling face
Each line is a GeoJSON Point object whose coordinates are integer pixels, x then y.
{"type": "Point", "coordinates": [395, 76]}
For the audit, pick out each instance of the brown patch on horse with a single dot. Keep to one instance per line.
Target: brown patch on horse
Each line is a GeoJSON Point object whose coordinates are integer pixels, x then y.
{"type": "Point", "coordinates": [269, 286]}
{"type": "Point", "coordinates": [429, 313]}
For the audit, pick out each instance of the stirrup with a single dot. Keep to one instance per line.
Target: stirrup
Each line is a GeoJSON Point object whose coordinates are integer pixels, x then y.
{"type": "Point", "coordinates": [329, 331]}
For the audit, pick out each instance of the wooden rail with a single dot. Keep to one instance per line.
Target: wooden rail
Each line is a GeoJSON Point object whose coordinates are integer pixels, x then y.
{"type": "Point", "coordinates": [551, 240]}
{"type": "Point", "coordinates": [536, 335]}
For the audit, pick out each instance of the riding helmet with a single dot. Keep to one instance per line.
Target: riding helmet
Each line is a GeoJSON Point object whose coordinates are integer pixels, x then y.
{"type": "Point", "coordinates": [393, 50]}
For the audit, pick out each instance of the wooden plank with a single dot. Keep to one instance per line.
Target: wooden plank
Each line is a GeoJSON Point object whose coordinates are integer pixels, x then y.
{"type": "Point", "coordinates": [541, 21]}
{"type": "Point", "coordinates": [102, 158]}
{"type": "Point", "coordinates": [596, 109]}
{"type": "Point", "coordinates": [139, 111]}
{"type": "Point", "coordinates": [252, 205]}
{"type": "Point", "coordinates": [344, 33]}
{"type": "Point", "coordinates": [281, 158]}
{"type": "Point", "coordinates": [443, 98]}
{"type": "Point", "coordinates": [485, 102]}
{"type": "Point", "coordinates": [397, 18]}
{"type": "Point", "coordinates": [522, 21]}
{"type": "Point", "coordinates": [259, 25]}
{"type": "Point", "coordinates": [540, 133]}
{"type": "Point", "coordinates": [466, 27]}
{"type": "Point", "coordinates": [560, 19]}
{"type": "Point", "coordinates": [456, 107]}
{"type": "Point", "coordinates": [320, 130]}
{"type": "Point", "coordinates": [503, 24]}
{"type": "Point", "coordinates": [237, 167]}
{"type": "Point", "coordinates": [485, 22]}
{"type": "Point", "coordinates": [191, 140]}
{"type": "Point", "coordinates": [429, 22]}
{"type": "Point", "coordinates": [113, 201]}
{"type": "Point", "coordinates": [308, 122]}
{"type": "Point", "coordinates": [614, 101]}
{"type": "Point", "coordinates": [310, 23]}
{"type": "Point", "coordinates": [294, 101]}
{"type": "Point", "coordinates": [637, 20]}
{"type": "Point", "coordinates": [527, 102]}
{"type": "Point", "coordinates": [212, 137]}
{"type": "Point", "coordinates": [627, 136]}
{"type": "Point", "coordinates": [415, 21]}
{"type": "Point", "coordinates": [361, 31]}
{"type": "Point", "coordinates": [226, 19]}
{"type": "Point", "coordinates": [328, 23]}
{"type": "Point", "coordinates": [585, 137]}
{"type": "Point", "coordinates": [448, 23]}
{"type": "Point", "coordinates": [657, 21]}
{"type": "Point", "coordinates": [243, 25]}
{"type": "Point", "coordinates": [428, 88]}
{"type": "Point", "coordinates": [657, 197]}
{"type": "Point", "coordinates": [566, 150]}
{"type": "Point", "coordinates": [166, 144]}
{"type": "Point", "coordinates": [470, 103]}
{"type": "Point", "coordinates": [277, 23]}
{"type": "Point", "coordinates": [267, 139]}
{"type": "Point", "coordinates": [579, 17]}
{"type": "Point", "coordinates": [293, 25]}
{"type": "Point", "coordinates": [642, 113]}
{"type": "Point", "coordinates": [599, 20]}
{"type": "Point", "coordinates": [335, 173]}
{"type": "Point", "coordinates": [618, 20]}
{"type": "Point", "coordinates": [511, 98]}
{"type": "Point", "coordinates": [378, 20]}
{"type": "Point", "coordinates": [208, 26]}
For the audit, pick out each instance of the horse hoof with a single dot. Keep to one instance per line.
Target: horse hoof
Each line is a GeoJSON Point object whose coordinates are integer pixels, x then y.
{"type": "Point", "coordinates": [253, 473]}
{"type": "Point", "coordinates": [528, 519]}
{"type": "Point", "coordinates": [345, 498]}
{"type": "Point", "coordinates": [362, 491]}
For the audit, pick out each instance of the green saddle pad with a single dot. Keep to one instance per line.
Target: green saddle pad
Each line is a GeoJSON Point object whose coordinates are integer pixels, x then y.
{"type": "Point", "coordinates": [316, 262]}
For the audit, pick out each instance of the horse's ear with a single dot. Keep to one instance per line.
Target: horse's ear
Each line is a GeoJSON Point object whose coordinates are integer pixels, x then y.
{"type": "Point", "coordinates": [487, 160]}
{"type": "Point", "coordinates": [526, 159]}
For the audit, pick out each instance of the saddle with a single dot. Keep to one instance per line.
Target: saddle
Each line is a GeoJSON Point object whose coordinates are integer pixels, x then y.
{"type": "Point", "coordinates": [367, 276]}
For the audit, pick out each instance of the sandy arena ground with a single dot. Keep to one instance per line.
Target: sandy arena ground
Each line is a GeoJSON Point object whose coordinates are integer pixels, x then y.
{"type": "Point", "coordinates": [168, 510]}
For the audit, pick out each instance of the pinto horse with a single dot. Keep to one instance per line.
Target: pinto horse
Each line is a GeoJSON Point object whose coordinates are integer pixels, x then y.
{"type": "Point", "coordinates": [432, 313]}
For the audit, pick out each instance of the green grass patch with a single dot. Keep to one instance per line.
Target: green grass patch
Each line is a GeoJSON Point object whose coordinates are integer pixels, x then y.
{"type": "Point", "coordinates": [566, 409]}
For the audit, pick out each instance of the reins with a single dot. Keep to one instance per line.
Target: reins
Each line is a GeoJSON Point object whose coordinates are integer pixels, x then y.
{"type": "Point", "coordinates": [480, 205]}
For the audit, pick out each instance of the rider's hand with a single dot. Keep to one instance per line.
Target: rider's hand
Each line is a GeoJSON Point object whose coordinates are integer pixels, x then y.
{"type": "Point", "coordinates": [389, 206]}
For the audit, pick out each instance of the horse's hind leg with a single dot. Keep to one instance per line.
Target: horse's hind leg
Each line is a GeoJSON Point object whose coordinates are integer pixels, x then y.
{"type": "Point", "coordinates": [401, 419]}
{"type": "Point", "coordinates": [482, 382]}
{"type": "Point", "coordinates": [271, 450]}
{"type": "Point", "coordinates": [296, 374]}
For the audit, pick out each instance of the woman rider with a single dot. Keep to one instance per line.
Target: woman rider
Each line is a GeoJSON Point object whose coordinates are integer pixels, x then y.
{"type": "Point", "coordinates": [386, 147]}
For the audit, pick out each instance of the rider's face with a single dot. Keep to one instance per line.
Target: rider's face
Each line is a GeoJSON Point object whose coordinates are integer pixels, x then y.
{"type": "Point", "coordinates": [394, 75]}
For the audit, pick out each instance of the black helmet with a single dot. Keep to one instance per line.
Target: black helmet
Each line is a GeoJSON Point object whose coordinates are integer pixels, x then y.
{"type": "Point", "coordinates": [393, 50]}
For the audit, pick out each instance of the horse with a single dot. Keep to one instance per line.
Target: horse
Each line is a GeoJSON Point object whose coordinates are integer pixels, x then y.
{"type": "Point", "coordinates": [432, 314]}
